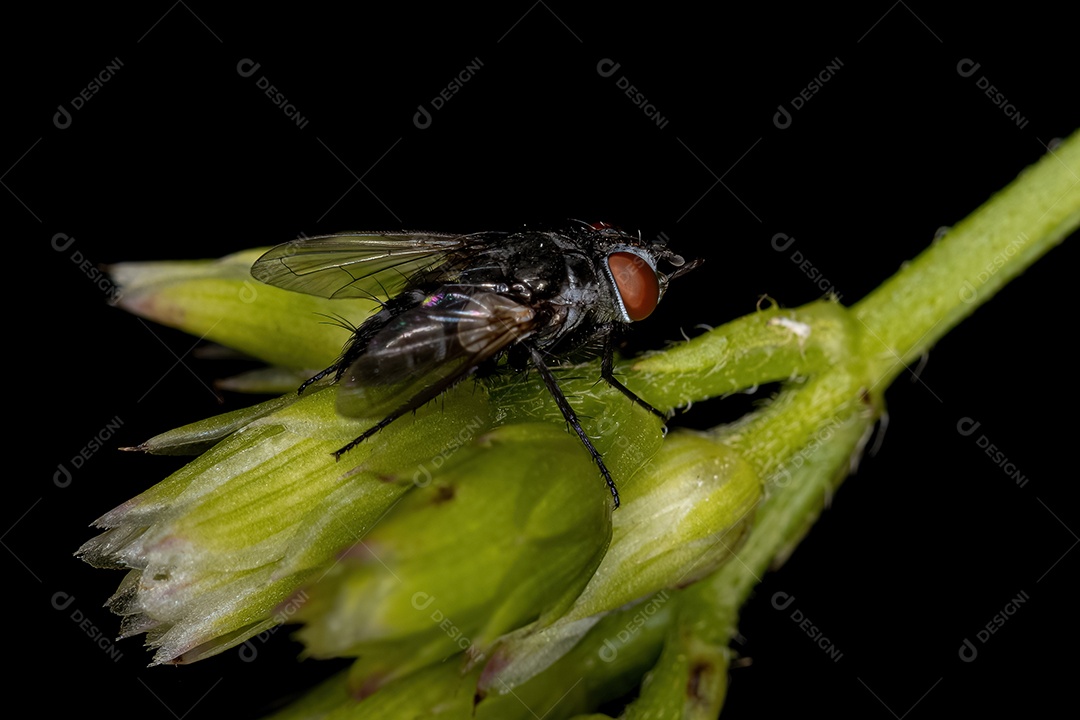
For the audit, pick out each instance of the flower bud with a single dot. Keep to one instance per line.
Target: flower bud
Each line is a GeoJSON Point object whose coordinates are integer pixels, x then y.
{"type": "Point", "coordinates": [216, 548]}
{"type": "Point", "coordinates": [682, 517]}
{"type": "Point", "coordinates": [509, 530]}
{"type": "Point", "coordinates": [218, 300]}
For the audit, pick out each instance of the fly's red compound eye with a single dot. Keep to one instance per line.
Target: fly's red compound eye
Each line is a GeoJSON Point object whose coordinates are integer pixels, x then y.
{"type": "Point", "coordinates": [636, 282]}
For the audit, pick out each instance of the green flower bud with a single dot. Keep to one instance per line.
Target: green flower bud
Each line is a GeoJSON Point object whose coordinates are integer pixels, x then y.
{"type": "Point", "coordinates": [508, 532]}
{"type": "Point", "coordinates": [682, 517]}
{"type": "Point", "coordinates": [440, 690]}
{"type": "Point", "coordinates": [215, 548]}
{"type": "Point", "coordinates": [218, 300]}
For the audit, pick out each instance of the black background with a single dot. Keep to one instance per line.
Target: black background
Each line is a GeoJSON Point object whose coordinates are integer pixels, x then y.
{"type": "Point", "coordinates": [180, 156]}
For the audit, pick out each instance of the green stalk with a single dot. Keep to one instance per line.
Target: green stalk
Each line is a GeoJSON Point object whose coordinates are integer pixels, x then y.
{"type": "Point", "coordinates": [913, 309]}
{"type": "Point", "coordinates": [898, 322]}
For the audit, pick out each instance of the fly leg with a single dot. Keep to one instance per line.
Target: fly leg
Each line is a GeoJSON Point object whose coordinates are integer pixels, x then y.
{"type": "Point", "coordinates": [571, 418]}
{"type": "Point", "coordinates": [607, 373]}
{"type": "Point", "coordinates": [317, 377]}
{"type": "Point", "coordinates": [377, 427]}
{"type": "Point", "coordinates": [414, 403]}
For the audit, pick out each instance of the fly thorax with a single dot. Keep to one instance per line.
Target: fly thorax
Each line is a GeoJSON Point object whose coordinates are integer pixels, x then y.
{"type": "Point", "coordinates": [580, 295]}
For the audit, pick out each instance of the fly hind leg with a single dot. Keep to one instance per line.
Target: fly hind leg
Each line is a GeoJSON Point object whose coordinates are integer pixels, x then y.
{"type": "Point", "coordinates": [414, 403]}
{"type": "Point", "coordinates": [319, 376]}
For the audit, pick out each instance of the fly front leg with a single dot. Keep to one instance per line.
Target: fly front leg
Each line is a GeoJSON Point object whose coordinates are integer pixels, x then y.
{"type": "Point", "coordinates": [571, 417]}
{"type": "Point", "coordinates": [608, 374]}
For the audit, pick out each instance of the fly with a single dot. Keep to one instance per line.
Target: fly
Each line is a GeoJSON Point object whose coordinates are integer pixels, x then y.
{"type": "Point", "coordinates": [458, 303]}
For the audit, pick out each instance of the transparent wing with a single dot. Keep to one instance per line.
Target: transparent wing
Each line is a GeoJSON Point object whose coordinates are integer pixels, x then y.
{"type": "Point", "coordinates": [362, 265]}
{"type": "Point", "coordinates": [428, 349]}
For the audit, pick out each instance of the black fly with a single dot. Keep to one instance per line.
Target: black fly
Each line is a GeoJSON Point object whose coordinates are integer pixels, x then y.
{"type": "Point", "coordinates": [457, 303]}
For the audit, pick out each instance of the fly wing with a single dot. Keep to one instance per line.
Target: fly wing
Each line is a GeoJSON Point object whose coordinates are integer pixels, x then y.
{"type": "Point", "coordinates": [361, 265]}
{"type": "Point", "coordinates": [429, 348]}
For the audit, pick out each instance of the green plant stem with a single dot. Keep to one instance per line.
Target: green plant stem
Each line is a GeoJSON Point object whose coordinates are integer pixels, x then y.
{"type": "Point", "coordinates": [909, 312]}
{"type": "Point", "coordinates": [898, 322]}
{"type": "Point", "coordinates": [913, 309]}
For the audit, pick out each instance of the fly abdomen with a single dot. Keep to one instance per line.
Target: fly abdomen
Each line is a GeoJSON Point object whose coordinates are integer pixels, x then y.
{"type": "Point", "coordinates": [436, 343]}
